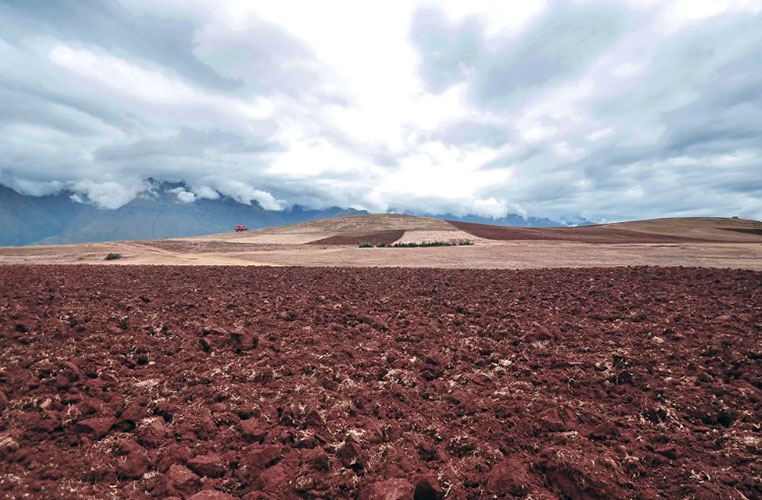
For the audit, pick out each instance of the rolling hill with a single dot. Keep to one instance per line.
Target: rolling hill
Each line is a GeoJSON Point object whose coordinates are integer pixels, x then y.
{"type": "Point", "coordinates": [158, 213]}
{"type": "Point", "coordinates": [710, 242]}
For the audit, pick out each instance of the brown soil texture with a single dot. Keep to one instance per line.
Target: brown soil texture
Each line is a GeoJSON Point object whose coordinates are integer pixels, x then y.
{"type": "Point", "coordinates": [377, 238]}
{"type": "Point", "coordinates": [584, 234]}
{"type": "Point", "coordinates": [198, 246]}
{"type": "Point", "coordinates": [265, 383]}
{"type": "Point", "coordinates": [744, 230]}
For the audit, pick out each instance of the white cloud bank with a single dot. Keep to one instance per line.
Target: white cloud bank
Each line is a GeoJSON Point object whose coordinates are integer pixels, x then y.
{"type": "Point", "coordinates": [538, 108]}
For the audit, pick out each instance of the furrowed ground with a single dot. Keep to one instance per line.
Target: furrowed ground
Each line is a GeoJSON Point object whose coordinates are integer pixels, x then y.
{"type": "Point", "coordinates": [151, 382]}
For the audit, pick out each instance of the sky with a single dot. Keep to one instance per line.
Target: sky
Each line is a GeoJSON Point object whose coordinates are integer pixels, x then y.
{"type": "Point", "coordinates": [562, 109]}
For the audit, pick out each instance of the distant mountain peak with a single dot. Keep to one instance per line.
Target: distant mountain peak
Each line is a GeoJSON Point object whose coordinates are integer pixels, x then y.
{"type": "Point", "coordinates": [165, 209]}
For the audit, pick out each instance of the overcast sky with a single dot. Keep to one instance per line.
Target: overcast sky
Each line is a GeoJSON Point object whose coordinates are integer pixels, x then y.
{"type": "Point", "coordinates": [597, 109]}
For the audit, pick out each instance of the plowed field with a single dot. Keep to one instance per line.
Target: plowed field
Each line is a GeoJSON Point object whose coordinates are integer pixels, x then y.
{"type": "Point", "coordinates": [585, 234]}
{"type": "Point", "coordinates": [266, 383]}
{"type": "Point", "coordinates": [377, 238]}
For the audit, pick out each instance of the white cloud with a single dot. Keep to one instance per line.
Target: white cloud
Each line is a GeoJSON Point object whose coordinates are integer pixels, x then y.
{"type": "Point", "coordinates": [108, 194]}
{"type": "Point", "coordinates": [206, 193]}
{"type": "Point", "coordinates": [627, 69]}
{"type": "Point", "coordinates": [329, 103]}
{"type": "Point", "coordinates": [490, 207]}
{"type": "Point", "coordinates": [183, 195]}
{"type": "Point", "coordinates": [243, 193]}
{"type": "Point", "coordinates": [151, 86]}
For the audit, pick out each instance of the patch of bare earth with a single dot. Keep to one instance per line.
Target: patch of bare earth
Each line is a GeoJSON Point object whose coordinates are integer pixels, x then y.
{"type": "Point", "coordinates": [376, 238]}
{"type": "Point", "coordinates": [681, 230]}
{"type": "Point", "coordinates": [587, 234]}
{"type": "Point", "coordinates": [262, 383]}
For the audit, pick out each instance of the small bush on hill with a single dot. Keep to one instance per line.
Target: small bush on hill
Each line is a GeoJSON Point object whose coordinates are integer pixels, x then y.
{"type": "Point", "coordinates": [367, 244]}
{"type": "Point", "coordinates": [433, 244]}
{"type": "Point", "coordinates": [113, 256]}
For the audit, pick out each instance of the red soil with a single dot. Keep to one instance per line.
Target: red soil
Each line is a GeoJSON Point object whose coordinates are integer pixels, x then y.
{"type": "Point", "coordinates": [219, 383]}
{"type": "Point", "coordinates": [584, 234]}
{"type": "Point", "coordinates": [744, 230]}
{"type": "Point", "coordinates": [377, 238]}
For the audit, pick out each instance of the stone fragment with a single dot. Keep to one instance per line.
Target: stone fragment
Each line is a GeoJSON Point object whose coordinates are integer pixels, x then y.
{"type": "Point", "coordinates": [262, 457]}
{"type": "Point", "coordinates": [253, 430]}
{"type": "Point", "coordinates": [181, 481]}
{"type": "Point", "coordinates": [135, 466]}
{"type": "Point", "coordinates": [96, 427]}
{"type": "Point", "coordinates": [351, 455]}
{"type": "Point", "coordinates": [318, 459]}
{"type": "Point", "coordinates": [154, 434]}
{"type": "Point", "coordinates": [134, 413]}
{"type": "Point", "coordinates": [126, 446]}
{"type": "Point", "coordinates": [509, 477]}
{"type": "Point", "coordinates": [210, 465]}
{"type": "Point", "coordinates": [173, 454]}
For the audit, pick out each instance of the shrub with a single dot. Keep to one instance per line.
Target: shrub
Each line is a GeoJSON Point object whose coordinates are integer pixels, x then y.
{"type": "Point", "coordinates": [113, 256]}
{"type": "Point", "coordinates": [413, 244]}
{"type": "Point", "coordinates": [433, 244]}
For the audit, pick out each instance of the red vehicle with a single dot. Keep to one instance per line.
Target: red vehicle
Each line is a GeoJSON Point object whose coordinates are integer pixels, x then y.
{"type": "Point", "coordinates": [240, 228]}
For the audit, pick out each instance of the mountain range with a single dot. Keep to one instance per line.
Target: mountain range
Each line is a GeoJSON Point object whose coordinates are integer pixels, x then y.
{"type": "Point", "coordinates": [61, 219]}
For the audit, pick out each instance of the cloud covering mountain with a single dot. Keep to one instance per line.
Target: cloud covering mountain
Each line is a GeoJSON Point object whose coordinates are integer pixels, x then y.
{"type": "Point", "coordinates": [598, 109]}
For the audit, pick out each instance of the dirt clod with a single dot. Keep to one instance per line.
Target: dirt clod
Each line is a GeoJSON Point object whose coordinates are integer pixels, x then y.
{"type": "Point", "coordinates": [134, 466]}
{"type": "Point", "coordinates": [181, 481]}
{"type": "Point", "coordinates": [154, 434]}
{"type": "Point", "coordinates": [96, 427]}
{"type": "Point", "coordinates": [260, 457]}
{"type": "Point", "coordinates": [509, 477]}
{"type": "Point", "coordinates": [211, 465]}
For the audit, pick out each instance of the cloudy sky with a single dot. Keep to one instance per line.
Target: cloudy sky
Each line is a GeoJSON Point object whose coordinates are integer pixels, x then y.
{"type": "Point", "coordinates": [603, 110]}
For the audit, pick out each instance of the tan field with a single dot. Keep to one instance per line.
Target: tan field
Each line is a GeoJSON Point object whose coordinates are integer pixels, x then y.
{"type": "Point", "coordinates": [707, 242]}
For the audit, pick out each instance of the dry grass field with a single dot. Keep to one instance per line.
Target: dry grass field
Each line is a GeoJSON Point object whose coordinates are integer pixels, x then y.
{"type": "Point", "coordinates": [706, 242]}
